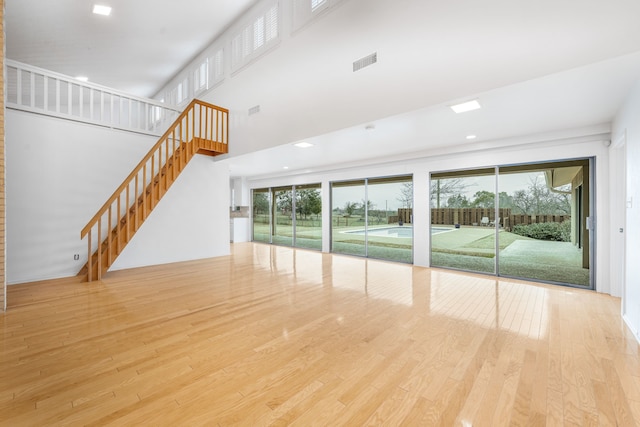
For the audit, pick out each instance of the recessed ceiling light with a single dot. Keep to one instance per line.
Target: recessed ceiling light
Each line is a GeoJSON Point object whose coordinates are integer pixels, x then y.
{"type": "Point", "coordinates": [466, 106]}
{"type": "Point", "coordinates": [471, 137]}
{"type": "Point", "coordinates": [303, 144]}
{"type": "Point", "coordinates": [82, 78]}
{"type": "Point", "coordinates": [101, 10]}
{"type": "Point", "coordinates": [285, 167]}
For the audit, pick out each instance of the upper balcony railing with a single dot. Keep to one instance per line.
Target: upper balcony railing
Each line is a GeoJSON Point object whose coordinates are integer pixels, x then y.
{"type": "Point", "coordinates": [41, 91]}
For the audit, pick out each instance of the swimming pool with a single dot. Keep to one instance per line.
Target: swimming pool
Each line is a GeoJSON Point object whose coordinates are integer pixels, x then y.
{"type": "Point", "coordinates": [385, 232]}
{"type": "Point", "coordinates": [437, 230]}
{"type": "Point", "coordinates": [396, 231]}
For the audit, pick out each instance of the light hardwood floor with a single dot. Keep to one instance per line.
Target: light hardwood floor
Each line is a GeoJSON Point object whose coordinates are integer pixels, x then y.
{"type": "Point", "coordinates": [276, 336]}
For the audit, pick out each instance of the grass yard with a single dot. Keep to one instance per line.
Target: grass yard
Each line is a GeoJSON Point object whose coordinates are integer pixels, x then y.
{"type": "Point", "coordinates": [466, 248]}
{"type": "Point", "coordinates": [473, 248]}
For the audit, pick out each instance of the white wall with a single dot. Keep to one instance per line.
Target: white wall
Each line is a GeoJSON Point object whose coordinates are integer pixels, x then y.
{"type": "Point", "coordinates": [626, 127]}
{"type": "Point", "coordinates": [190, 222]}
{"type": "Point", "coordinates": [594, 145]}
{"type": "Point", "coordinates": [59, 173]}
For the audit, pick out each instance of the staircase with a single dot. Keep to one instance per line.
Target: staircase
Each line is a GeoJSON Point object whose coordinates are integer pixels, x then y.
{"type": "Point", "coordinates": [202, 128]}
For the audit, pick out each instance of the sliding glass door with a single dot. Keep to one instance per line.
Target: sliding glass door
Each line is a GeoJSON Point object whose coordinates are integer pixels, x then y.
{"type": "Point", "coordinates": [373, 217]}
{"type": "Point", "coordinates": [463, 220]}
{"type": "Point", "coordinates": [288, 216]}
{"type": "Point", "coordinates": [348, 217]}
{"type": "Point", "coordinates": [523, 221]}
{"type": "Point", "coordinates": [282, 216]}
{"type": "Point", "coordinates": [545, 235]}
{"type": "Point", "coordinates": [261, 215]}
{"type": "Point", "coordinates": [390, 218]}
{"type": "Point", "coordinates": [308, 219]}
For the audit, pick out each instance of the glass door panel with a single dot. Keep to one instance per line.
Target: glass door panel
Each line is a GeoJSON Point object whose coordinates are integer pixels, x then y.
{"type": "Point", "coordinates": [262, 215]}
{"type": "Point", "coordinates": [308, 218]}
{"type": "Point", "coordinates": [282, 216]}
{"type": "Point", "coordinates": [348, 217]}
{"type": "Point", "coordinates": [543, 234]}
{"type": "Point", "coordinates": [390, 218]}
{"type": "Point", "coordinates": [463, 220]}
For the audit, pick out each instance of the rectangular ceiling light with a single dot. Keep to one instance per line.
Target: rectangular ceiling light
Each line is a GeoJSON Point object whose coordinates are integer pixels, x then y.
{"type": "Point", "coordinates": [466, 106]}
{"type": "Point", "coordinates": [101, 10]}
{"type": "Point", "coordinates": [303, 144]}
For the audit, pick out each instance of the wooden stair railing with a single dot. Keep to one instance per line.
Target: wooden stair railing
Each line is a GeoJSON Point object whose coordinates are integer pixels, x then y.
{"type": "Point", "coordinates": [202, 128]}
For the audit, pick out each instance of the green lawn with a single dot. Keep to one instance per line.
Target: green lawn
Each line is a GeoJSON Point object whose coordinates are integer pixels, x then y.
{"type": "Point", "coordinates": [473, 248]}
{"type": "Point", "coordinates": [467, 248]}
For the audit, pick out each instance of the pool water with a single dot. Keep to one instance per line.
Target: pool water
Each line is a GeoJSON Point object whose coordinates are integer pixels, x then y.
{"type": "Point", "coordinates": [397, 231]}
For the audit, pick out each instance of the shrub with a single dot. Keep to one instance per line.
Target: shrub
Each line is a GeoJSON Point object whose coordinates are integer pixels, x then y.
{"type": "Point", "coordinates": [553, 231]}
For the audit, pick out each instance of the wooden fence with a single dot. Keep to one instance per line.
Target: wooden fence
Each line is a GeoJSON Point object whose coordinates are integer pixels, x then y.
{"type": "Point", "coordinates": [474, 217]}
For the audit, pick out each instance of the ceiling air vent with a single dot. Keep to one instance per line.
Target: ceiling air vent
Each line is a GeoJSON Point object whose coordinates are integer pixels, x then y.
{"type": "Point", "coordinates": [254, 110]}
{"type": "Point", "coordinates": [365, 62]}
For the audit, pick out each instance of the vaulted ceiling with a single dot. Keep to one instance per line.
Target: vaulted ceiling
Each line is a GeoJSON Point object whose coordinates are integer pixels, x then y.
{"type": "Point", "coordinates": [538, 68]}
{"type": "Point", "coordinates": [137, 49]}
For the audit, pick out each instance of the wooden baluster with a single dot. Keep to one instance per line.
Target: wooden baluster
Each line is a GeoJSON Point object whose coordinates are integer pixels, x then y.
{"type": "Point", "coordinates": [153, 165]}
{"type": "Point", "coordinates": [175, 158]}
{"type": "Point", "coordinates": [144, 190]}
{"type": "Point", "coordinates": [187, 125]}
{"type": "Point", "coordinates": [177, 134]}
{"type": "Point", "coordinates": [200, 122]}
{"type": "Point", "coordinates": [157, 186]}
{"type": "Point", "coordinates": [166, 163]}
{"type": "Point", "coordinates": [118, 245]}
{"type": "Point", "coordinates": [99, 266]}
{"type": "Point", "coordinates": [89, 260]}
{"type": "Point", "coordinates": [109, 237]}
{"type": "Point", "coordinates": [207, 126]}
{"type": "Point", "coordinates": [159, 172]}
{"type": "Point", "coordinates": [217, 126]}
{"type": "Point", "coordinates": [128, 233]}
{"type": "Point", "coordinates": [136, 211]}
{"type": "Point", "coordinates": [185, 132]}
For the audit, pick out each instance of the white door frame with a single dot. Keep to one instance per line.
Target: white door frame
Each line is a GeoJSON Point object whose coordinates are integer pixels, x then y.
{"type": "Point", "coordinates": [618, 213]}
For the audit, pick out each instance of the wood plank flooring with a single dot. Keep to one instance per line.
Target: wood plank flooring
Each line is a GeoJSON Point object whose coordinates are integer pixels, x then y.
{"type": "Point", "coordinates": [276, 336]}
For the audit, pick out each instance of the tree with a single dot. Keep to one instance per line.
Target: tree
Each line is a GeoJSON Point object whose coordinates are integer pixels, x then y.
{"type": "Point", "coordinates": [538, 199]}
{"type": "Point", "coordinates": [260, 203]}
{"type": "Point", "coordinates": [505, 200]}
{"type": "Point", "coordinates": [458, 201]}
{"type": "Point", "coordinates": [284, 201]}
{"type": "Point", "coordinates": [308, 202]}
{"type": "Point", "coordinates": [443, 188]}
{"type": "Point", "coordinates": [484, 199]}
{"type": "Point", "coordinates": [369, 204]}
{"type": "Point", "coordinates": [350, 208]}
{"type": "Point", "coordinates": [406, 195]}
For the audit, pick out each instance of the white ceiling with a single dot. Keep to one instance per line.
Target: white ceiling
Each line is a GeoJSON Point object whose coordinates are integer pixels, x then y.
{"type": "Point", "coordinates": [137, 49]}
{"type": "Point", "coordinates": [538, 68]}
